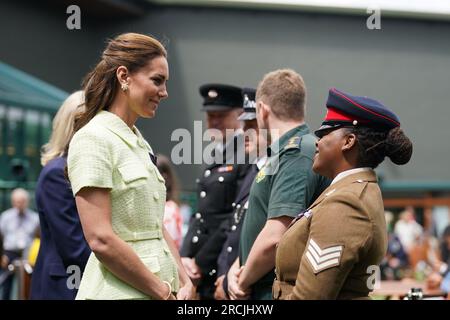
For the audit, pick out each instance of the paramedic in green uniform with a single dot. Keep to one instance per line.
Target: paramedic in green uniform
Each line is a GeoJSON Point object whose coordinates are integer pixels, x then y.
{"type": "Point", "coordinates": [285, 186]}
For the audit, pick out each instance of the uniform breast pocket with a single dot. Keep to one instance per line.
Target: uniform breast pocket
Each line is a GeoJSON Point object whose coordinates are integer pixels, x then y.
{"type": "Point", "coordinates": [133, 175]}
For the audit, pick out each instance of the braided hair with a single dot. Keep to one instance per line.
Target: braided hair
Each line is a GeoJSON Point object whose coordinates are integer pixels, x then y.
{"type": "Point", "coordinates": [375, 145]}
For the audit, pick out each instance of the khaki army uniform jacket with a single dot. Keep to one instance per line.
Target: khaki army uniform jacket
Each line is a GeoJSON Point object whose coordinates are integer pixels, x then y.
{"type": "Point", "coordinates": [332, 248]}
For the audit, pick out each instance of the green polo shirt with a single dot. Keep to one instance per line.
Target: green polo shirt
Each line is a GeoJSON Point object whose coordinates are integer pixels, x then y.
{"type": "Point", "coordinates": [285, 186]}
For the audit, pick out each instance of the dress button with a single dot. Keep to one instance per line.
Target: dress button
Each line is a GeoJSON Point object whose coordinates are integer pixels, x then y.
{"type": "Point", "coordinates": [201, 220]}
{"type": "Point", "coordinates": [221, 179]}
{"type": "Point", "coordinates": [238, 206]}
{"type": "Point", "coordinates": [194, 239]}
{"type": "Point", "coordinates": [233, 204]}
{"type": "Point", "coordinates": [156, 195]}
{"type": "Point", "coordinates": [229, 249]}
{"type": "Point", "coordinates": [197, 180]}
{"type": "Point", "coordinates": [233, 227]}
{"type": "Point", "coordinates": [198, 232]}
{"type": "Point", "coordinates": [198, 215]}
{"type": "Point", "coordinates": [207, 173]}
{"type": "Point", "coordinates": [202, 194]}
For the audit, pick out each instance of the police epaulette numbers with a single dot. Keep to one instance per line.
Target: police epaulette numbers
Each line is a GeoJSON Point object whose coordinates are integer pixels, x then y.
{"type": "Point", "coordinates": [225, 310]}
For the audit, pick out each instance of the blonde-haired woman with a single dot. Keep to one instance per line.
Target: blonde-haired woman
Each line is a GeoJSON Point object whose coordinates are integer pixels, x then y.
{"type": "Point", "coordinates": [119, 192]}
{"type": "Point", "coordinates": [62, 240]}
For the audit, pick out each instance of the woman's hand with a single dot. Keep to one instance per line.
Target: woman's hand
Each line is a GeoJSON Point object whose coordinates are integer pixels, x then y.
{"type": "Point", "coordinates": [186, 292]}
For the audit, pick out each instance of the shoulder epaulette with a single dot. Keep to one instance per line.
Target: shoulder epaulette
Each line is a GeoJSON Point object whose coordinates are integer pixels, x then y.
{"type": "Point", "coordinates": [293, 143]}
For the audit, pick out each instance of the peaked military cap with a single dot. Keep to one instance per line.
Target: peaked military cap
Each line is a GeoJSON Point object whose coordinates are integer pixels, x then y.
{"type": "Point", "coordinates": [345, 110]}
{"type": "Point", "coordinates": [248, 95]}
{"type": "Point", "coordinates": [221, 97]}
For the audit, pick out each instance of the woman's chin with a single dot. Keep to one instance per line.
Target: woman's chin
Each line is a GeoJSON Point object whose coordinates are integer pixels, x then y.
{"type": "Point", "coordinates": [315, 166]}
{"type": "Point", "coordinates": [148, 114]}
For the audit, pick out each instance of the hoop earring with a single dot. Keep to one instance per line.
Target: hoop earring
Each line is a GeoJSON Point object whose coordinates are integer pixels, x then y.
{"type": "Point", "coordinates": [124, 86]}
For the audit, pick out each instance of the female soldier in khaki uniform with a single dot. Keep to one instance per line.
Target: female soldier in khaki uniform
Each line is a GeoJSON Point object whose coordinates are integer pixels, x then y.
{"type": "Point", "coordinates": [332, 248]}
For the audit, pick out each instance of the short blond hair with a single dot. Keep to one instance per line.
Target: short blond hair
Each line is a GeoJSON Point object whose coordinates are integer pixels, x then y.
{"type": "Point", "coordinates": [62, 129]}
{"type": "Point", "coordinates": [284, 92]}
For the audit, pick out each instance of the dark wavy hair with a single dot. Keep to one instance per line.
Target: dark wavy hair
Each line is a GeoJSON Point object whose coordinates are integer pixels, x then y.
{"type": "Point", "coordinates": [374, 145]}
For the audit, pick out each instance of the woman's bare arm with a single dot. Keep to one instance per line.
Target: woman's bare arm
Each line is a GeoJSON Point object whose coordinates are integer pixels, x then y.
{"type": "Point", "coordinates": [94, 208]}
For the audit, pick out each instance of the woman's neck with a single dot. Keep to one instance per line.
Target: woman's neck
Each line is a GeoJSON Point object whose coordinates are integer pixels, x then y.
{"type": "Point", "coordinates": [120, 108]}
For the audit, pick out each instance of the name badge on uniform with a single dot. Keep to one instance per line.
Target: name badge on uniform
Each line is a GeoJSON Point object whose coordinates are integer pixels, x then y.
{"type": "Point", "coordinates": [225, 169]}
{"type": "Point", "coordinates": [305, 213]}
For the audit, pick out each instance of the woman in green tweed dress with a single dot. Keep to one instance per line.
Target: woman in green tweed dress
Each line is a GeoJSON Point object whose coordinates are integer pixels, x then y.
{"type": "Point", "coordinates": [119, 192]}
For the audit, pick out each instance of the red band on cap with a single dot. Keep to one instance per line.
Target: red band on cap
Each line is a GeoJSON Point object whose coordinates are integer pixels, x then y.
{"type": "Point", "coordinates": [361, 107]}
{"type": "Point", "coordinates": [337, 115]}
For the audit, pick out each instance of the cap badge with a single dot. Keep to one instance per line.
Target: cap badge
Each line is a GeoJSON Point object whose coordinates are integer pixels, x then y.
{"type": "Point", "coordinates": [212, 94]}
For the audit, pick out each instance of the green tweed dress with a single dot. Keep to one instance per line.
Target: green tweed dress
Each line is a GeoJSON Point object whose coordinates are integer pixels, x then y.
{"type": "Point", "coordinates": [106, 153]}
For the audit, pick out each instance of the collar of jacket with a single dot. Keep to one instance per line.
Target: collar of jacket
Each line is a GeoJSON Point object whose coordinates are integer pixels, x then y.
{"type": "Point", "coordinates": [117, 126]}
{"type": "Point", "coordinates": [278, 145]}
{"type": "Point", "coordinates": [364, 176]}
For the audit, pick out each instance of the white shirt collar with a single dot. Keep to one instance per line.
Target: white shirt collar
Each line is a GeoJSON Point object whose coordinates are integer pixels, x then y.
{"type": "Point", "coordinates": [261, 162]}
{"type": "Point", "coordinates": [346, 173]}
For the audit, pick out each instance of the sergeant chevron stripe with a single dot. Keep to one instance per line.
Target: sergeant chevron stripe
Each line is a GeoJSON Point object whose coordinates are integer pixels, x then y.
{"type": "Point", "coordinates": [321, 259]}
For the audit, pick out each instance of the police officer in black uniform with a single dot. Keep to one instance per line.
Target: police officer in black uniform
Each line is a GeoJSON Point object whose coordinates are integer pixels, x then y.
{"type": "Point", "coordinates": [217, 186]}
{"type": "Point", "coordinates": [230, 234]}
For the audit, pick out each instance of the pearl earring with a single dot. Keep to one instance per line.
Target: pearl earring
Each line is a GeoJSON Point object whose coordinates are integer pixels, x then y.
{"type": "Point", "coordinates": [124, 86]}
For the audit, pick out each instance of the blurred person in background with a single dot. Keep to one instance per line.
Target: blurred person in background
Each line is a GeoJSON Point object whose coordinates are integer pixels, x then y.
{"type": "Point", "coordinates": [173, 220]}
{"type": "Point", "coordinates": [62, 241]}
{"type": "Point", "coordinates": [396, 260]}
{"type": "Point", "coordinates": [18, 226]}
{"type": "Point", "coordinates": [408, 229]}
{"type": "Point", "coordinates": [441, 276]}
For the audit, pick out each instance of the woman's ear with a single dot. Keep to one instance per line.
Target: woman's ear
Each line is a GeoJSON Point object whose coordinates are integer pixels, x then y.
{"type": "Point", "coordinates": [350, 142]}
{"type": "Point", "coordinates": [122, 75]}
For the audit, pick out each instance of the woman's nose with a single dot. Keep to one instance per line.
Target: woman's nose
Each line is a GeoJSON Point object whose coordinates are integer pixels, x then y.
{"type": "Point", "coordinates": [163, 93]}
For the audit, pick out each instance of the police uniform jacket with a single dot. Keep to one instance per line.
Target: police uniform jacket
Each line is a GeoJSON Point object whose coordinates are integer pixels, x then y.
{"type": "Point", "coordinates": [230, 247]}
{"type": "Point", "coordinates": [217, 189]}
{"type": "Point", "coordinates": [331, 249]}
